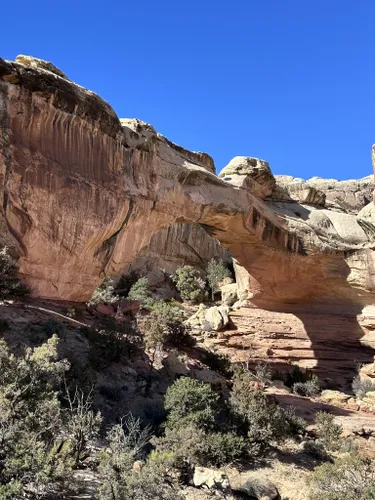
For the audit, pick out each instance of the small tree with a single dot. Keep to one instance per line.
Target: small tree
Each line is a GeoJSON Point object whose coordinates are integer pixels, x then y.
{"type": "Point", "coordinates": [328, 432]}
{"type": "Point", "coordinates": [120, 481]}
{"type": "Point", "coordinates": [216, 272]}
{"type": "Point", "coordinates": [82, 423]}
{"type": "Point", "coordinates": [191, 402]}
{"type": "Point", "coordinates": [362, 387]}
{"type": "Point", "coordinates": [104, 293]}
{"type": "Point", "coordinates": [30, 421]}
{"type": "Point", "coordinates": [10, 284]}
{"type": "Point", "coordinates": [189, 284]}
{"type": "Point", "coordinates": [125, 283]}
{"type": "Point", "coordinates": [140, 291]}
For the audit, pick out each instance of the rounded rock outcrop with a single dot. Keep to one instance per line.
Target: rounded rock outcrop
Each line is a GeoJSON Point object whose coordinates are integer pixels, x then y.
{"type": "Point", "coordinates": [250, 173]}
{"type": "Point", "coordinates": [34, 62]}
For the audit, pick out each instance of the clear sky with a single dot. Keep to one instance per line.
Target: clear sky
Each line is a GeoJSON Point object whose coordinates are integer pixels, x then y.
{"type": "Point", "coordinates": [289, 81]}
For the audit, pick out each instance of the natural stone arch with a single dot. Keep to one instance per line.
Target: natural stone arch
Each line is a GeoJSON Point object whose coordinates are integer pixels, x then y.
{"type": "Point", "coordinates": [82, 192]}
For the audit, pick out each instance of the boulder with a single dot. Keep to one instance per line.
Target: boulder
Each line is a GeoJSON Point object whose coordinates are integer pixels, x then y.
{"type": "Point", "coordinates": [336, 398]}
{"type": "Point", "coordinates": [216, 318]}
{"type": "Point", "coordinates": [211, 479]}
{"type": "Point", "coordinates": [229, 294]}
{"type": "Point", "coordinates": [36, 63]}
{"type": "Point", "coordinates": [174, 366]}
{"type": "Point", "coordinates": [210, 319]}
{"type": "Point", "coordinates": [198, 318]}
{"type": "Point", "coordinates": [257, 489]}
{"type": "Point", "coordinates": [250, 173]}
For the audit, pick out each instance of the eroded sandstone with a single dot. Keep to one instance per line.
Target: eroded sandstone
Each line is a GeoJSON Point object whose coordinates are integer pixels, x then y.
{"type": "Point", "coordinates": [82, 193]}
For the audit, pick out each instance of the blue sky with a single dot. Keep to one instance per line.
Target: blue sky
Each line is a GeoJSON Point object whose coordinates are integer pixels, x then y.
{"type": "Point", "coordinates": [289, 81]}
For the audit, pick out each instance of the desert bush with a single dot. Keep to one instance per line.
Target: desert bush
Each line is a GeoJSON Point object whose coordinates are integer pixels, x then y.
{"type": "Point", "coordinates": [125, 283]}
{"type": "Point", "coordinates": [219, 363]}
{"type": "Point", "coordinates": [349, 477]}
{"type": "Point", "coordinates": [263, 373]}
{"type": "Point", "coordinates": [316, 450]}
{"type": "Point", "coordinates": [153, 330]}
{"type": "Point", "coordinates": [104, 293]}
{"type": "Point", "coordinates": [183, 445]}
{"type": "Point", "coordinates": [362, 387]}
{"type": "Point", "coordinates": [140, 291]}
{"type": "Point", "coordinates": [309, 388]}
{"type": "Point", "coordinates": [167, 312]}
{"type": "Point", "coordinates": [179, 336]}
{"type": "Point", "coordinates": [111, 341]}
{"type": "Point", "coordinates": [10, 284]}
{"type": "Point", "coordinates": [30, 421]}
{"type": "Point", "coordinates": [297, 375]}
{"type": "Point", "coordinates": [191, 402]}
{"type": "Point", "coordinates": [163, 327]}
{"type": "Point", "coordinates": [189, 284]}
{"type": "Point", "coordinates": [263, 421]}
{"type": "Point", "coordinates": [81, 423]}
{"type": "Point", "coordinates": [127, 443]}
{"type": "Point", "coordinates": [328, 432]}
{"type": "Point", "coordinates": [222, 448]}
{"type": "Point", "coordinates": [216, 272]}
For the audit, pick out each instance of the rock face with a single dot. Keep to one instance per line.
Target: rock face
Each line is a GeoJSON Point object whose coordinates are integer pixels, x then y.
{"type": "Point", "coordinates": [82, 193]}
{"type": "Point", "coordinates": [178, 245]}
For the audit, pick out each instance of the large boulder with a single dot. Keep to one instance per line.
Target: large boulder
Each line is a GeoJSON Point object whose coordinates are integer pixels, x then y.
{"type": "Point", "coordinates": [34, 62]}
{"type": "Point", "coordinates": [211, 479]}
{"type": "Point", "coordinates": [210, 318]}
{"type": "Point", "coordinates": [250, 173]}
{"type": "Point", "coordinates": [256, 489]}
{"type": "Point", "coordinates": [229, 294]}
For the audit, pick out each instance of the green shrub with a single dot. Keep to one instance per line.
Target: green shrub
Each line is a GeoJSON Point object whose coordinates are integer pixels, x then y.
{"type": "Point", "coordinates": [297, 375]}
{"type": "Point", "coordinates": [30, 421]}
{"type": "Point", "coordinates": [127, 443]}
{"type": "Point", "coordinates": [189, 284]}
{"type": "Point", "coordinates": [309, 388]}
{"type": "Point", "coordinates": [104, 293]}
{"type": "Point", "coordinates": [125, 283]}
{"type": "Point", "coordinates": [223, 448]}
{"type": "Point", "coordinates": [316, 450]}
{"type": "Point", "coordinates": [163, 327]}
{"type": "Point", "coordinates": [328, 432]}
{"type": "Point", "coordinates": [263, 421]}
{"type": "Point", "coordinates": [10, 284]}
{"type": "Point", "coordinates": [191, 402]}
{"type": "Point", "coordinates": [81, 423]}
{"type": "Point", "coordinates": [111, 341]}
{"type": "Point", "coordinates": [219, 363]}
{"type": "Point", "coordinates": [263, 373]}
{"type": "Point", "coordinates": [167, 312]}
{"type": "Point", "coordinates": [141, 292]}
{"type": "Point", "coordinates": [362, 387]}
{"type": "Point", "coordinates": [349, 477]}
{"type": "Point", "coordinates": [216, 272]}
{"type": "Point", "coordinates": [178, 336]}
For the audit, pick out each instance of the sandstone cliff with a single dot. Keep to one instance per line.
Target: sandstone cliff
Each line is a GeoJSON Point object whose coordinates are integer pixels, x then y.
{"type": "Point", "coordinates": [82, 193]}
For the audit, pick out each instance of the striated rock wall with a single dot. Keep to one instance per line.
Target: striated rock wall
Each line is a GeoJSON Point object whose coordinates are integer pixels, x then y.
{"type": "Point", "coordinates": [179, 245]}
{"type": "Point", "coordinates": [82, 193]}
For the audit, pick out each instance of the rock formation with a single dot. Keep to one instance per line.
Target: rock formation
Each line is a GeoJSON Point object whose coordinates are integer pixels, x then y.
{"type": "Point", "coordinates": [178, 245]}
{"type": "Point", "coordinates": [82, 193]}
